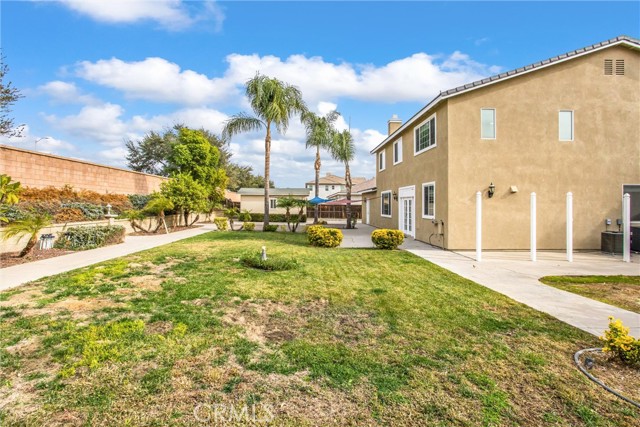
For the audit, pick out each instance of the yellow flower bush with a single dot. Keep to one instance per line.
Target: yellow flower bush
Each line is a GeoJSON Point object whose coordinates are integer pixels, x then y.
{"type": "Point", "coordinates": [618, 341]}
{"type": "Point", "coordinates": [324, 237]}
{"type": "Point", "coordinates": [387, 239]}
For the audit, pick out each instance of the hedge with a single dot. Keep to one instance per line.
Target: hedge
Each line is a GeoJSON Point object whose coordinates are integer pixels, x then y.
{"type": "Point", "coordinates": [258, 217]}
{"type": "Point", "coordinates": [81, 238]}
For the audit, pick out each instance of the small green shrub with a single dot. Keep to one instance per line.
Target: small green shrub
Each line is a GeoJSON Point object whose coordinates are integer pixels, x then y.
{"type": "Point", "coordinates": [270, 228]}
{"type": "Point", "coordinates": [387, 239]}
{"type": "Point", "coordinates": [139, 201]}
{"type": "Point", "coordinates": [270, 264]}
{"type": "Point", "coordinates": [89, 210]}
{"type": "Point", "coordinates": [258, 217]}
{"type": "Point", "coordinates": [248, 226]}
{"type": "Point", "coordinates": [221, 223]}
{"type": "Point", "coordinates": [324, 237]}
{"type": "Point", "coordinates": [13, 212]}
{"type": "Point", "coordinates": [81, 238]}
{"type": "Point", "coordinates": [618, 341]}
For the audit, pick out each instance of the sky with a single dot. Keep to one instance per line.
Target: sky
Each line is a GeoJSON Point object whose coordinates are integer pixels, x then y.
{"type": "Point", "coordinates": [94, 74]}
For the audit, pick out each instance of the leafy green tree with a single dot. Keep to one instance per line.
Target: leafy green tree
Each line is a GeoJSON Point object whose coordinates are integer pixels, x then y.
{"type": "Point", "coordinates": [344, 150]}
{"type": "Point", "coordinates": [9, 191]}
{"type": "Point", "coordinates": [320, 132]}
{"type": "Point", "coordinates": [243, 177]}
{"type": "Point", "coordinates": [186, 194]}
{"type": "Point", "coordinates": [289, 203]}
{"type": "Point", "coordinates": [8, 96]}
{"type": "Point", "coordinates": [273, 103]}
{"type": "Point", "coordinates": [30, 226]}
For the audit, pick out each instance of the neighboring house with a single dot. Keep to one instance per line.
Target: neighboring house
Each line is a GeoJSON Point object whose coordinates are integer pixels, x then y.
{"type": "Point", "coordinates": [565, 124]}
{"type": "Point", "coordinates": [330, 184]}
{"type": "Point", "coordinates": [356, 191]}
{"type": "Point", "coordinates": [252, 199]}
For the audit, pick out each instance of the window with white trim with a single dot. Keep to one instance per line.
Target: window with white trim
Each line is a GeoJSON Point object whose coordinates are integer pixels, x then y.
{"type": "Point", "coordinates": [425, 135]}
{"type": "Point", "coordinates": [488, 123]}
{"type": "Point", "coordinates": [385, 204]}
{"type": "Point", "coordinates": [273, 203]}
{"type": "Point", "coordinates": [429, 200]}
{"type": "Point", "coordinates": [397, 151]}
{"type": "Point", "coordinates": [565, 125]}
{"type": "Point", "coordinates": [381, 161]}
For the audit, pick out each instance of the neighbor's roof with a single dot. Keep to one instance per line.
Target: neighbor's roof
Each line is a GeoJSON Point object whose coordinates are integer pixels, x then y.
{"type": "Point", "coordinates": [330, 179]}
{"type": "Point", "coordinates": [620, 40]}
{"type": "Point", "coordinates": [364, 186]}
{"type": "Point", "coordinates": [274, 192]}
{"type": "Point", "coordinates": [232, 195]}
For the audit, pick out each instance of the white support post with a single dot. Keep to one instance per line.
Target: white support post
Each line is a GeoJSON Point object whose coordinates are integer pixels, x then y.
{"type": "Point", "coordinates": [479, 226]}
{"type": "Point", "coordinates": [533, 227]}
{"type": "Point", "coordinates": [626, 228]}
{"type": "Point", "coordinates": [570, 227]}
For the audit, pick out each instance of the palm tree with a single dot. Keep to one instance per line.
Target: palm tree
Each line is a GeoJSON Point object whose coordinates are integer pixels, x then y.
{"type": "Point", "coordinates": [30, 226]}
{"type": "Point", "coordinates": [273, 103]}
{"type": "Point", "coordinates": [343, 150]}
{"type": "Point", "coordinates": [320, 132]}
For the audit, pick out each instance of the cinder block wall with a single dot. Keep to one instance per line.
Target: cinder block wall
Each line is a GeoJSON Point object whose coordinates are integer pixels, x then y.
{"type": "Point", "coordinates": [34, 169]}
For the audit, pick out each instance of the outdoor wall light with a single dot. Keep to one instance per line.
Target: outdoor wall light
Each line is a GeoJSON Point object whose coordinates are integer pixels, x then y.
{"type": "Point", "coordinates": [492, 189]}
{"type": "Point", "coordinates": [395, 196]}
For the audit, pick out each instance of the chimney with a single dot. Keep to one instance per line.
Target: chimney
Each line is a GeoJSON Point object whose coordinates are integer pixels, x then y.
{"type": "Point", "coordinates": [393, 124]}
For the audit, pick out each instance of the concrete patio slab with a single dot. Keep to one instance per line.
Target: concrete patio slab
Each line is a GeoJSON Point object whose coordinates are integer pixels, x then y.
{"type": "Point", "coordinates": [514, 275]}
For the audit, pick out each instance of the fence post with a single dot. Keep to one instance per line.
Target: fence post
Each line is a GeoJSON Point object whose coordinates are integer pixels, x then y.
{"type": "Point", "coordinates": [533, 227]}
{"type": "Point", "coordinates": [626, 228]}
{"type": "Point", "coordinates": [570, 227]}
{"type": "Point", "coordinates": [479, 226]}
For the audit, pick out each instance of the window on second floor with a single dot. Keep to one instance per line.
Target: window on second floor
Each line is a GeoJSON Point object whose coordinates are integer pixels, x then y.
{"type": "Point", "coordinates": [488, 123]}
{"type": "Point", "coordinates": [425, 135]}
{"type": "Point", "coordinates": [381, 161]}
{"type": "Point", "coordinates": [565, 125]}
{"type": "Point", "coordinates": [397, 151]}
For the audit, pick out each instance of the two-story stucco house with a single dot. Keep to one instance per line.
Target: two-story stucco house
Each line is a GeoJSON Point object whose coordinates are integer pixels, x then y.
{"type": "Point", "coordinates": [331, 185]}
{"type": "Point", "coordinates": [566, 124]}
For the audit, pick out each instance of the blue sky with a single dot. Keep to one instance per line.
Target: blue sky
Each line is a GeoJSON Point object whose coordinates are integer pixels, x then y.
{"type": "Point", "coordinates": [94, 73]}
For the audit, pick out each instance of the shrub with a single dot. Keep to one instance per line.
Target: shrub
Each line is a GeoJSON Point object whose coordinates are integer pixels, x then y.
{"type": "Point", "coordinates": [387, 239]}
{"type": "Point", "coordinates": [270, 264]}
{"type": "Point", "coordinates": [13, 212]}
{"type": "Point", "coordinates": [81, 238]}
{"type": "Point", "coordinates": [66, 194]}
{"type": "Point", "coordinates": [270, 228]}
{"type": "Point", "coordinates": [89, 210]}
{"type": "Point", "coordinates": [221, 223]}
{"type": "Point", "coordinates": [69, 215]}
{"type": "Point", "coordinates": [139, 201]}
{"type": "Point", "coordinates": [248, 226]}
{"type": "Point", "coordinates": [618, 341]}
{"type": "Point", "coordinates": [324, 237]}
{"type": "Point", "coordinates": [258, 217]}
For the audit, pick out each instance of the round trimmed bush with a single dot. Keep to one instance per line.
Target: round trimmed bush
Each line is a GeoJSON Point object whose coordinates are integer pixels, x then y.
{"type": "Point", "coordinates": [387, 239]}
{"type": "Point", "coordinates": [324, 237]}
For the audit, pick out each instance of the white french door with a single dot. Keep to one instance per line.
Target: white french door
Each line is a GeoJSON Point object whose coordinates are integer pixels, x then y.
{"type": "Point", "coordinates": [407, 211]}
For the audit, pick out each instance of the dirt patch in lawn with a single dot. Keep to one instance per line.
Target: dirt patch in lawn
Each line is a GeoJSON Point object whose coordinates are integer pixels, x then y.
{"type": "Point", "coordinates": [616, 374]}
{"type": "Point", "coordinates": [620, 291]}
{"type": "Point", "coordinates": [79, 308]}
{"type": "Point", "coordinates": [11, 258]}
{"type": "Point", "coordinates": [262, 321]}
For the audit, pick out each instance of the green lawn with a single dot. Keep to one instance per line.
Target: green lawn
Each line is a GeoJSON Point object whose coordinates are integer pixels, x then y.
{"type": "Point", "coordinates": [349, 337]}
{"type": "Point", "coordinates": [621, 291]}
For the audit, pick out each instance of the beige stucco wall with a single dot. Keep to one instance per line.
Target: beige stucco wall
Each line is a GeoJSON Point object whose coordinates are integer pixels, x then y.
{"type": "Point", "coordinates": [527, 153]}
{"type": "Point", "coordinates": [255, 204]}
{"type": "Point", "coordinates": [39, 170]}
{"type": "Point", "coordinates": [414, 171]}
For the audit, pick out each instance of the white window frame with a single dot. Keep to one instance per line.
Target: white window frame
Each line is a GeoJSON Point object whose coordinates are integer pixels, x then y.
{"type": "Point", "coordinates": [273, 203]}
{"type": "Point", "coordinates": [424, 201]}
{"type": "Point", "coordinates": [382, 161]}
{"type": "Point", "coordinates": [495, 123]}
{"type": "Point", "coordinates": [382, 204]}
{"type": "Point", "coordinates": [398, 144]}
{"type": "Point", "coordinates": [435, 134]}
{"type": "Point", "coordinates": [573, 121]}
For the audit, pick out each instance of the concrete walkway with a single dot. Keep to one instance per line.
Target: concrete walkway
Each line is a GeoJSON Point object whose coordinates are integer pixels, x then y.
{"type": "Point", "coordinates": [513, 275]}
{"type": "Point", "coordinates": [17, 275]}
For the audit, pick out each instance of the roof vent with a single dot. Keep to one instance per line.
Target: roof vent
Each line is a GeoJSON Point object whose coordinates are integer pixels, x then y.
{"type": "Point", "coordinates": [619, 67]}
{"type": "Point", "coordinates": [608, 67]}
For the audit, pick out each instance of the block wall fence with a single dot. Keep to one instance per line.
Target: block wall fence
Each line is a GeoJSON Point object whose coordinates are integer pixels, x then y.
{"type": "Point", "coordinates": [39, 170]}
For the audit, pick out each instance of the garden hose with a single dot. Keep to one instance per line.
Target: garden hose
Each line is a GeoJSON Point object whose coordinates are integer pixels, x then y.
{"type": "Point", "coordinates": [576, 358]}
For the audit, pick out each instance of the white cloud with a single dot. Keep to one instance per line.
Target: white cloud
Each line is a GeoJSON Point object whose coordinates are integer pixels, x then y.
{"type": "Point", "coordinates": [45, 144]}
{"type": "Point", "coordinates": [170, 14]}
{"type": "Point", "coordinates": [156, 79]}
{"type": "Point", "coordinates": [418, 77]}
{"type": "Point", "coordinates": [66, 93]}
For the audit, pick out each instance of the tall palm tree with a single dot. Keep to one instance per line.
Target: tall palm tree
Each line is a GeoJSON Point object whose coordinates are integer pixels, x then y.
{"type": "Point", "coordinates": [320, 132]}
{"type": "Point", "coordinates": [273, 103]}
{"type": "Point", "coordinates": [344, 150]}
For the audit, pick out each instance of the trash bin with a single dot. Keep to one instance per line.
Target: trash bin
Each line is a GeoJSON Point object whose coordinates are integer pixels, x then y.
{"type": "Point", "coordinates": [46, 241]}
